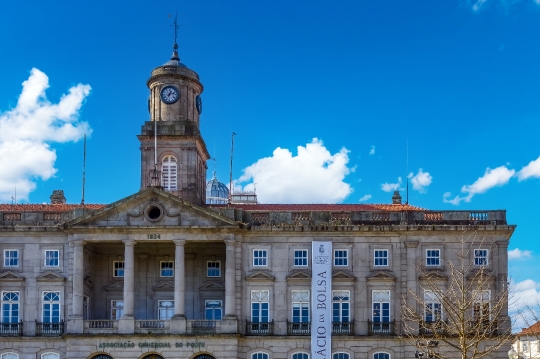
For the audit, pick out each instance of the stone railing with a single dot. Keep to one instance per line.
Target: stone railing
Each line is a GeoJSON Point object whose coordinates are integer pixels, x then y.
{"type": "Point", "coordinates": [201, 326]}
{"type": "Point", "coordinates": [100, 326]}
{"type": "Point", "coordinates": [152, 326]}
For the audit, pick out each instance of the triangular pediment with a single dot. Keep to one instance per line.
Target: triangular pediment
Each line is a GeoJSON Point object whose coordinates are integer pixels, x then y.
{"type": "Point", "coordinates": [342, 276]}
{"type": "Point", "coordinates": [212, 286]}
{"type": "Point", "coordinates": [114, 286]}
{"type": "Point", "coordinates": [163, 287]}
{"type": "Point", "coordinates": [260, 276]}
{"type": "Point", "coordinates": [299, 275]}
{"type": "Point", "coordinates": [381, 276]}
{"type": "Point", "coordinates": [10, 276]}
{"type": "Point", "coordinates": [50, 276]}
{"type": "Point", "coordinates": [433, 276]}
{"type": "Point", "coordinates": [88, 282]}
{"type": "Point", "coordinates": [482, 274]}
{"type": "Point", "coordinates": [152, 207]}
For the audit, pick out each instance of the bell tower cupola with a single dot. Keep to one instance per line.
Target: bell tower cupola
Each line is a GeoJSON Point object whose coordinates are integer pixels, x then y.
{"type": "Point", "coordinates": [173, 152]}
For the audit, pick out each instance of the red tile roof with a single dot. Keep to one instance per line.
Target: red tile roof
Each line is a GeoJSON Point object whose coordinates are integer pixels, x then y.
{"type": "Point", "coordinates": [533, 329]}
{"type": "Point", "coordinates": [325, 207]}
{"type": "Point", "coordinates": [5, 207]}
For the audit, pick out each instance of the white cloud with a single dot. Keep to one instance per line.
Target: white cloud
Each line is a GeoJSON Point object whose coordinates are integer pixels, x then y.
{"type": "Point", "coordinates": [389, 187]}
{"type": "Point", "coordinates": [28, 130]}
{"type": "Point", "coordinates": [531, 170]}
{"type": "Point", "coordinates": [525, 296]}
{"type": "Point", "coordinates": [365, 198]}
{"type": "Point", "coordinates": [478, 4]}
{"type": "Point", "coordinates": [372, 151]}
{"type": "Point", "coordinates": [492, 178]}
{"type": "Point", "coordinates": [519, 254]}
{"type": "Point", "coordinates": [314, 175]}
{"type": "Point", "coordinates": [421, 180]}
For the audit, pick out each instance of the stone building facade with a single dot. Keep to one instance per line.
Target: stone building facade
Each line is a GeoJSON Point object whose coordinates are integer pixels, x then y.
{"type": "Point", "coordinates": [160, 274]}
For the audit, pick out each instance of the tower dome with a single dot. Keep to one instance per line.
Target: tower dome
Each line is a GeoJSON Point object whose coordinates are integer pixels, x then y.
{"type": "Point", "coordinates": [216, 192]}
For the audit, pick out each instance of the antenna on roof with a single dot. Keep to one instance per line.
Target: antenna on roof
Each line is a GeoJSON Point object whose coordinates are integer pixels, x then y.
{"type": "Point", "coordinates": [15, 192]}
{"type": "Point", "coordinates": [230, 176]}
{"type": "Point", "coordinates": [407, 174]}
{"type": "Point", "coordinates": [84, 170]}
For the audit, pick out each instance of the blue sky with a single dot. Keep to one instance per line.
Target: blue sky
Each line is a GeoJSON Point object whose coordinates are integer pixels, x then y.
{"type": "Point", "coordinates": [458, 81]}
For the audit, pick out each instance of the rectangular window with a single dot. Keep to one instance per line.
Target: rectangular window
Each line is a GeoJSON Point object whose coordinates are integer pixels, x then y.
{"type": "Point", "coordinates": [167, 269]}
{"type": "Point", "coordinates": [381, 306]}
{"type": "Point", "coordinates": [213, 269]}
{"type": "Point", "coordinates": [10, 307]}
{"type": "Point", "coordinates": [165, 309]}
{"type": "Point", "coordinates": [260, 308]}
{"type": "Point", "coordinates": [381, 257]}
{"type": "Point", "coordinates": [341, 257]}
{"type": "Point", "coordinates": [11, 258]}
{"type": "Point", "coordinates": [117, 309]}
{"type": "Point", "coordinates": [52, 258]}
{"type": "Point", "coordinates": [118, 268]}
{"type": "Point", "coordinates": [482, 305]}
{"type": "Point", "coordinates": [341, 304]}
{"type": "Point", "coordinates": [433, 257]}
{"type": "Point", "coordinates": [213, 309]}
{"type": "Point", "coordinates": [51, 307]}
{"type": "Point", "coordinates": [300, 306]}
{"type": "Point", "coordinates": [260, 257]}
{"type": "Point", "coordinates": [480, 257]}
{"type": "Point", "coordinates": [433, 309]}
{"type": "Point", "coordinates": [301, 257]}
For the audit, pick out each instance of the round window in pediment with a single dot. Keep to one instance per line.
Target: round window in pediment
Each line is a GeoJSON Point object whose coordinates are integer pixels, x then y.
{"type": "Point", "coordinates": [154, 211]}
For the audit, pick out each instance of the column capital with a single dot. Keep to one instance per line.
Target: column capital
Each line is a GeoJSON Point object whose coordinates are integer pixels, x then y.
{"type": "Point", "coordinates": [78, 243]}
{"type": "Point", "coordinates": [179, 242]}
{"type": "Point", "coordinates": [230, 242]}
{"type": "Point", "coordinates": [129, 242]}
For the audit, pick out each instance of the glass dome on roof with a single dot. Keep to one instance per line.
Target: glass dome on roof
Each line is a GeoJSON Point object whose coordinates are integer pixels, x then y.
{"type": "Point", "coordinates": [216, 192]}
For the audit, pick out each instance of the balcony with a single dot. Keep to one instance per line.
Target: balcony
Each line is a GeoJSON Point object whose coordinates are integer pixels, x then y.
{"type": "Point", "coordinates": [49, 329]}
{"type": "Point", "coordinates": [259, 328]}
{"type": "Point", "coordinates": [11, 329]}
{"type": "Point", "coordinates": [152, 326]}
{"type": "Point", "coordinates": [343, 328]}
{"type": "Point", "coordinates": [203, 326]}
{"type": "Point", "coordinates": [381, 328]}
{"type": "Point", "coordinates": [432, 328]}
{"type": "Point", "coordinates": [102, 326]}
{"type": "Point", "coordinates": [298, 328]}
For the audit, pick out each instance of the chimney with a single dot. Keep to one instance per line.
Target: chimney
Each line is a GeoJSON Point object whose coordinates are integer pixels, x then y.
{"type": "Point", "coordinates": [396, 198]}
{"type": "Point", "coordinates": [57, 197]}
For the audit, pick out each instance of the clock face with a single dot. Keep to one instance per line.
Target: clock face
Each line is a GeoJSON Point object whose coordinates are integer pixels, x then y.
{"type": "Point", "coordinates": [198, 104]}
{"type": "Point", "coordinates": [169, 94]}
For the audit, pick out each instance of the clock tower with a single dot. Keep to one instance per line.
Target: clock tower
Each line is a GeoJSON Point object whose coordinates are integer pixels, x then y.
{"type": "Point", "coordinates": [173, 152]}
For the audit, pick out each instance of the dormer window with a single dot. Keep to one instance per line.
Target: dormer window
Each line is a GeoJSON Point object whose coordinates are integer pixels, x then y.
{"type": "Point", "coordinates": [169, 173]}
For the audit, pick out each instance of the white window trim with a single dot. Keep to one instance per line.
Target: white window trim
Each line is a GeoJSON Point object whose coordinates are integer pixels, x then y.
{"type": "Point", "coordinates": [299, 352]}
{"type": "Point", "coordinates": [2, 303]}
{"type": "Point", "coordinates": [482, 301]}
{"type": "Point", "coordinates": [18, 258]}
{"type": "Point", "coordinates": [387, 257]}
{"type": "Point", "coordinates": [300, 302]}
{"type": "Point", "coordinates": [346, 250]}
{"type": "Point", "coordinates": [439, 257]}
{"type": "Point", "coordinates": [259, 352]}
{"type": "Point", "coordinates": [307, 257]}
{"type": "Point", "coordinates": [56, 354]}
{"type": "Point", "coordinates": [341, 352]}
{"type": "Point", "coordinates": [381, 352]}
{"type": "Point", "coordinates": [45, 264]}
{"type": "Point", "coordinates": [160, 269]}
{"type": "Point", "coordinates": [487, 257]}
{"type": "Point", "coordinates": [160, 307]}
{"type": "Point", "coordinates": [116, 307]}
{"type": "Point", "coordinates": [251, 301]}
{"type": "Point", "coordinates": [381, 301]}
{"type": "Point", "coordinates": [170, 185]}
{"type": "Point", "coordinates": [215, 276]}
{"type": "Point", "coordinates": [253, 255]}
{"type": "Point", "coordinates": [60, 318]}
{"type": "Point", "coordinates": [342, 301]}
{"type": "Point", "coordinates": [436, 301]}
{"type": "Point", "coordinates": [214, 300]}
{"type": "Point", "coordinates": [3, 355]}
{"type": "Point", "coordinates": [114, 269]}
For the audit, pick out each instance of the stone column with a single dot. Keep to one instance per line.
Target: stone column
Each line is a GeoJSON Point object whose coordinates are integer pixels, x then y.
{"type": "Point", "coordinates": [178, 323]}
{"type": "Point", "coordinates": [75, 322]}
{"type": "Point", "coordinates": [179, 278]}
{"type": "Point", "coordinates": [126, 324]}
{"type": "Point", "coordinates": [230, 282]}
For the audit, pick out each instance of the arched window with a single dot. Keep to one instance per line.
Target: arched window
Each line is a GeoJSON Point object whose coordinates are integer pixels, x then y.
{"type": "Point", "coordinates": [381, 356]}
{"type": "Point", "coordinates": [169, 173]}
{"type": "Point", "coordinates": [204, 356]}
{"type": "Point", "coordinates": [102, 356]}
{"type": "Point", "coordinates": [153, 356]}
{"type": "Point", "coordinates": [10, 356]}
{"type": "Point", "coordinates": [340, 356]}
{"type": "Point", "coordinates": [50, 356]}
{"type": "Point", "coordinates": [300, 356]}
{"type": "Point", "coordinates": [259, 355]}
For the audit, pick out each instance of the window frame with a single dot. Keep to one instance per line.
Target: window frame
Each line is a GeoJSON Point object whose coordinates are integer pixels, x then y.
{"type": "Point", "coordinates": [118, 308]}
{"type": "Point", "coordinates": [340, 303]}
{"type": "Point", "coordinates": [51, 303]}
{"type": "Point", "coordinates": [306, 258]}
{"type": "Point", "coordinates": [115, 269]}
{"type": "Point", "coordinates": [345, 259]}
{"type": "Point", "coordinates": [344, 355]}
{"type": "Point", "coordinates": [263, 355]}
{"type": "Point", "coordinates": [161, 269]}
{"type": "Point", "coordinates": [50, 353]}
{"type": "Point", "coordinates": [46, 264]}
{"type": "Point", "coordinates": [167, 184]}
{"type": "Point", "coordinates": [17, 259]}
{"type": "Point", "coordinates": [208, 269]}
{"type": "Point", "coordinates": [381, 302]}
{"type": "Point", "coordinates": [478, 257]}
{"type": "Point", "coordinates": [435, 300]}
{"type": "Point", "coordinates": [377, 356]}
{"type": "Point", "coordinates": [302, 304]}
{"type": "Point", "coordinates": [304, 355]}
{"type": "Point", "coordinates": [260, 258]}
{"type": "Point", "coordinates": [260, 309]}
{"type": "Point", "coordinates": [385, 258]}
{"type": "Point", "coordinates": [428, 257]}
{"type": "Point", "coordinates": [482, 302]}
{"type": "Point", "coordinates": [5, 354]}
{"type": "Point", "coordinates": [10, 303]}
{"type": "Point", "coordinates": [221, 308]}
{"type": "Point", "coordinates": [166, 308]}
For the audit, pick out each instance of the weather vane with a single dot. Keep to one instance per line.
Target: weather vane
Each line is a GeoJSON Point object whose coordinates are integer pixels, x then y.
{"type": "Point", "coordinates": [176, 26]}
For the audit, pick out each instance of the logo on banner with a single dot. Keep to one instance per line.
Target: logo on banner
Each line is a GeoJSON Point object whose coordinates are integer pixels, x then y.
{"type": "Point", "coordinates": [321, 258]}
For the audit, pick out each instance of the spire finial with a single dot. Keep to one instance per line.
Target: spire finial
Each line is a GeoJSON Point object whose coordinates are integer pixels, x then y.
{"type": "Point", "coordinates": [175, 46]}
